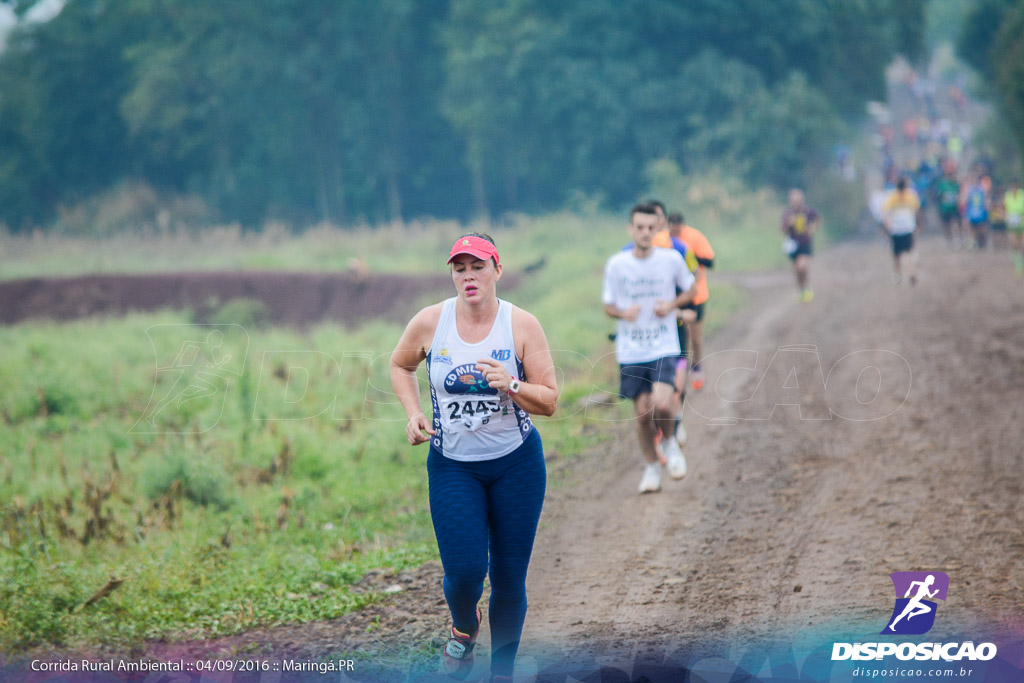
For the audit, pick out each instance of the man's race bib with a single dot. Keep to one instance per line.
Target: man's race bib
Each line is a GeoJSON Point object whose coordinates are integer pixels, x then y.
{"type": "Point", "coordinates": [648, 336]}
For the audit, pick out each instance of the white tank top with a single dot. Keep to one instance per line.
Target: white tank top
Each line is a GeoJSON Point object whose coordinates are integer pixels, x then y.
{"type": "Point", "coordinates": [474, 421]}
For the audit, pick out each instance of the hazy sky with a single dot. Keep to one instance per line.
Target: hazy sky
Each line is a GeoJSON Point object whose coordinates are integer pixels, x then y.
{"type": "Point", "coordinates": [44, 10]}
{"type": "Point", "coordinates": [6, 21]}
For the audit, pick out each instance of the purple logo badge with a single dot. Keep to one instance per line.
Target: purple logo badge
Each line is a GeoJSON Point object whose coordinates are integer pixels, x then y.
{"type": "Point", "coordinates": [916, 593]}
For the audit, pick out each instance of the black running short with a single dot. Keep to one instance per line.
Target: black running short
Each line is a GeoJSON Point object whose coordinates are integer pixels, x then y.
{"type": "Point", "coordinates": [639, 378]}
{"type": "Point", "coordinates": [696, 307]}
{"type": "Point", "coordinates": [801, 250]}
{"type": "Point", "coordinates": [902, 243]}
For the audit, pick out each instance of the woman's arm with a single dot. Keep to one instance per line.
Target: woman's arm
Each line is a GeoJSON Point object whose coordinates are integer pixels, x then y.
{"type": "Point", "coordinates": [539, 395]}
{"type": "Point", "coordinates": [405, 359]}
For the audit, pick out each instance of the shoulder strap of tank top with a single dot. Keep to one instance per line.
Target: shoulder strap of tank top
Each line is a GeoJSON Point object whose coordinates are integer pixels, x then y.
{"type": "Point", "coordinates": [446, 319]}
{"type": "Point", "coordinates": [505, 320]}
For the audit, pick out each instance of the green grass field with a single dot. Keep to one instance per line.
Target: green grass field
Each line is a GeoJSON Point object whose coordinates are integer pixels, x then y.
{"type": "Point", "coordinates": [262, 498]}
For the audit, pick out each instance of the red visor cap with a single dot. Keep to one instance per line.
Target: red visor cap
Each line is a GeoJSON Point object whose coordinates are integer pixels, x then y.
{"type": "Point", "coordinates": [474, 246]}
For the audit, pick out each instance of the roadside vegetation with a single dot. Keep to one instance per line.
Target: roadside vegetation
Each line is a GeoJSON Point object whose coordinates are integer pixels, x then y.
{"type": "Point", "coordinates": [133, 507]}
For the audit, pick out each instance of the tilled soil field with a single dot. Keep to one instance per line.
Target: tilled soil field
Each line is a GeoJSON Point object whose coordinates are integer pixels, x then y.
{"type": "Point", "coordinates": [288, 298]}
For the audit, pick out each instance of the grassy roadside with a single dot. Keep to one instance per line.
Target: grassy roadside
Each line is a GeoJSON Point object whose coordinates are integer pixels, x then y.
{"type": "Point", "coordinates": [264, 500]}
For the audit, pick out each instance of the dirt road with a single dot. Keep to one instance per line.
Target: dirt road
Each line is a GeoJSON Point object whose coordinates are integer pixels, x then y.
{"type": "Point", "coordinates": [906, 455]}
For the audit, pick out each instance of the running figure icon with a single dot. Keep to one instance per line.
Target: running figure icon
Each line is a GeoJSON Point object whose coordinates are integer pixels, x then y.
{"type": "Point", "coordinates": [917, 595]}
{"type": "Point", "coordinates": [197, 364]}
{"type": "Point", "coordinates": [916, 607]}
{"type": "Point", "coordinates": [189, 392]}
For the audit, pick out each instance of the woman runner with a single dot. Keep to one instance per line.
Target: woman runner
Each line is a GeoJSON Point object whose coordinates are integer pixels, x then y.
{"type": "Point", "coordinates": [489, 367]}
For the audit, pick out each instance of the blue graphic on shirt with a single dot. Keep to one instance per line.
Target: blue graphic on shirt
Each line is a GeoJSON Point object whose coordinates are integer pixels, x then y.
{"type": "Point", "coordinates": [466, 379]}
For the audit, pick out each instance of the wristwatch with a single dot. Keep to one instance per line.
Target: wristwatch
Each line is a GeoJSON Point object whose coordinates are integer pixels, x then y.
{"type": "Point", "coordinates": [513, 386]}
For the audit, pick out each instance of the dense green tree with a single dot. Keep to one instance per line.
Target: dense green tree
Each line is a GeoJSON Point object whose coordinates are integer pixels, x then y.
{"type": "Point", "coordinates": [944, 20]}
{"type": "Point", "coordinates": [581, 96]}
{"type": "Point", "coordinates": [389, 110]}
{"type": "Point", "coordinates": [784, 131]}
{"type": "Point", "coordinates": [1009, 46]}
{"type": "Point", "coordinates": [909, 21]}
{"type": "Point", "coordinates": [314, 109]}
{"type": "Point", "coordinates": [977, 38]}
{"type": "Point", "coordinates": [992, 41]}
{"type": "Point", "coordinates": [61, 137]}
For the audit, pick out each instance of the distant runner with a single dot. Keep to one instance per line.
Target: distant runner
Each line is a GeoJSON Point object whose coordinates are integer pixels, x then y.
{"type": "Point", "coordinates": [947, 191]}
{"type": "Point", "coordinates": [668, 238]}
{"type": "Point", "coordinates": [1015, 225]}
{"type": "Point", "coordinates": [799, 223]}
{"type": "Point", "coordinates": [695, 240]}
{"type": "Point", "coordinates": [639, 290]}
{"type": "Point", "coordinates": [997, 218]}
{"type": "Point", "coordinates": [976, 212]}
{"type": "Point", "coordinates": [902, 214]}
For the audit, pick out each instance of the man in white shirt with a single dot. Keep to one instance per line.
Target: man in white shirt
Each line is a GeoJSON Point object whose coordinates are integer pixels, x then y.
{"type": "Point", "coordinates": [643, 287]}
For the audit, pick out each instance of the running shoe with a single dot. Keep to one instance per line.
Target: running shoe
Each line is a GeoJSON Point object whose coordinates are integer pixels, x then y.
{"type": "Point", "coordinates": [806, 295]}
{"type": "Point", "coordinates": [651, 482]}
{"type": "Point", "coordinates": [680, 432]}
{"type": "Point", "coordinates": [698, 380]}
{"type": "Point", "coordinates": [676, 461]}
{"type": "Point", "coordinates": [458, 652]}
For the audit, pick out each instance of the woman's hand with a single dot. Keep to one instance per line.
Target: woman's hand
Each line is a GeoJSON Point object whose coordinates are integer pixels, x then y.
{"type": "Point", "coordinates": [495, 373]}
{"type": "Point", "coordinates": [414, 430]}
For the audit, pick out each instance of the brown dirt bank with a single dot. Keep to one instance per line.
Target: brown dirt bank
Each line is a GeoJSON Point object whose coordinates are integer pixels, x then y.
{"type": "Point", "coordinates": [290, 298]}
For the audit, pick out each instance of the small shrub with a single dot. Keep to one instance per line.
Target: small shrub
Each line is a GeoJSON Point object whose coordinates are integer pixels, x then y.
{"type": "Point", "coordinates": [55, 399]}
{"type": "Point", "coordinates": [201, 481]}
{"type": "Point", "coordinates": [36, 611]}
{"type": "Point", "coordinates": [247, 313]}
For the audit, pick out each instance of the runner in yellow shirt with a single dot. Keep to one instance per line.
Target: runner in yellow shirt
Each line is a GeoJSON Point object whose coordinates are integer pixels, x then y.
{"type": "Point", "coordinates": [1015, 225]}
{"type": "Point", "coordinates": [901, 218]}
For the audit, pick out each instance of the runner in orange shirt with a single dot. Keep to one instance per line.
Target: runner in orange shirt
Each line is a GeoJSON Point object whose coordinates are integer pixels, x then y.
{"type": "Point", "coordinates": [698, 244]}
{"type": "Point", "coordinates": [685, 315]}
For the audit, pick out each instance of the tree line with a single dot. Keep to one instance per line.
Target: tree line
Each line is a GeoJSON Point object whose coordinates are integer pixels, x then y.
{"type": "Point", "coordinates": [347, 111]}
{"type": "Point", "coordinates": [992, 41]}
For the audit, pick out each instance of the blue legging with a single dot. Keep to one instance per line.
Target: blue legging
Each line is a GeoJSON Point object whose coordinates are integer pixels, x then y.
{"type": "Point", "coordinates": [499, 500]}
